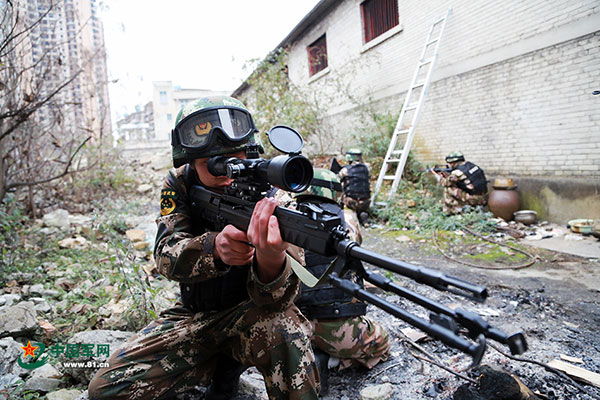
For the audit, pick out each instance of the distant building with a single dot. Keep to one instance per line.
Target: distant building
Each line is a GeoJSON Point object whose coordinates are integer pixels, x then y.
{"type": "Point", "coordinates": [137, 126]}
{"type": "Point", "coordinates": [167, 101]}
{"type": "Point", "coordinates": [512, 88]}
{"type": "Point", "coordinates": [69, 35]}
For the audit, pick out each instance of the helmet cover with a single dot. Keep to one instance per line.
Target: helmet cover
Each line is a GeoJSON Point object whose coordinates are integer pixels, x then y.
{"type": "Point", "coordinates": [325, 185]}
{"type": "Point", "coordinates": [181, 155]}
{"type": "Point", "coordinates": [455, 156]}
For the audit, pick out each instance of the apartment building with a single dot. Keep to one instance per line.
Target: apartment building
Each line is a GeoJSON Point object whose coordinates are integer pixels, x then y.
{"type": "Point", "coordinates": [137, 126]}
{"type": "Point", "coordinates": [68, 35]}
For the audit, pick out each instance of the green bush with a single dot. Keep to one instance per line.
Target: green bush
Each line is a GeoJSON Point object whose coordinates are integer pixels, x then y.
{"type": "Point", "coordinates": [418, 206]}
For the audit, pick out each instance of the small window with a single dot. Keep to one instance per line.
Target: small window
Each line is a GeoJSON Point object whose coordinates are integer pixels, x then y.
{"type": "Point", "coordinates": [317, 56]}
{"type": "Point", "coordinates": [378, 16]}
{"type": "Point", "coordinates": [169, 117]}
{"type": "Point", "coordinates": [163, 97]}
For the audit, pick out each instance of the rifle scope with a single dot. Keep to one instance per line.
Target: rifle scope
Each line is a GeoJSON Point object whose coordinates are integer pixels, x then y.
{"type": "Point", "coordinates": [291, 173]}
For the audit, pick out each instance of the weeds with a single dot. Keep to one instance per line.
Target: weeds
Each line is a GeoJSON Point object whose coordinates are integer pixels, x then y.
{"type": "Point", "coordinates": [12, 224]}
{"type": "Point", "coordinates": [32, 256]}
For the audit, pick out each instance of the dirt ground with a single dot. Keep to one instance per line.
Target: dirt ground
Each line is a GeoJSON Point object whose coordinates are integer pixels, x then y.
{"type": "Point", "coordinates": [554, 302]}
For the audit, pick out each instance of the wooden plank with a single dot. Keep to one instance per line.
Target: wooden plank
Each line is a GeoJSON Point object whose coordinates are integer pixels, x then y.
{"type": "Point", "coordinates": [574, 360]}
{"type": "Point", "coordinates": [579, 373]}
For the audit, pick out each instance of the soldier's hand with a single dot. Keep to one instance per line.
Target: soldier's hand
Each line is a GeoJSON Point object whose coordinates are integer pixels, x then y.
{"type": "Point", "coordinates": [231, 247]}
{"type": "Point", "coordinates": [263, 233]}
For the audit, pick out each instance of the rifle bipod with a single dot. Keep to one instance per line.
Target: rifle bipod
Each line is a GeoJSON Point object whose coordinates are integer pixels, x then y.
{"type": "Point", "coordinates": [445, 324]}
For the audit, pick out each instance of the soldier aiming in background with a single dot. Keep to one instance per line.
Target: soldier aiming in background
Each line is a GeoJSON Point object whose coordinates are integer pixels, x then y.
{"type": "Point", "coordinates": [465, 185]}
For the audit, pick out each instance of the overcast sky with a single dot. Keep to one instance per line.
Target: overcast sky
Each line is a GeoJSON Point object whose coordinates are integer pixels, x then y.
{"type": "Point", "coordinates": [200, 44]}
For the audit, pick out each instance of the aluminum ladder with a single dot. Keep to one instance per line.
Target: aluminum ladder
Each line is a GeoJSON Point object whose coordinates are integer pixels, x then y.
{"type": "Point", "coordinates": [402, 137]}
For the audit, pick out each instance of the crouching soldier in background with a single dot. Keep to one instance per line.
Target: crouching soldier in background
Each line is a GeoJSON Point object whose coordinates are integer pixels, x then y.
{"type": "Point", "coordinates": [355, 182]}
{"type": "Point", "coordinates": [342, 331]}
{"type": "Point", "coordinates": [464, 185]}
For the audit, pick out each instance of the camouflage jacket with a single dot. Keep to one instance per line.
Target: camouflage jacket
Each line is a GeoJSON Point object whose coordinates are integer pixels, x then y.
{"type": "Point", "coordinates": [184, 248]}
{"type": "Point", "coordinates": [458, 178]}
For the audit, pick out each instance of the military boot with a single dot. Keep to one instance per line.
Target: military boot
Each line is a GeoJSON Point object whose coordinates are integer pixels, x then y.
{"type": "Point", "coordinates": [226, 379]}
{"type": "Point", "coordinates": [322, 359]}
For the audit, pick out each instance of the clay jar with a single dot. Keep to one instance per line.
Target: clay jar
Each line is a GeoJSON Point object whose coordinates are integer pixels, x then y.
{"type": "Point", "coordinates": [503, 201]}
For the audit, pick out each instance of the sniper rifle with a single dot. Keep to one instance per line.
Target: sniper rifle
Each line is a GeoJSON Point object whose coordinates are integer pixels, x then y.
{"type": "Point", "coordinates": [314, 229]}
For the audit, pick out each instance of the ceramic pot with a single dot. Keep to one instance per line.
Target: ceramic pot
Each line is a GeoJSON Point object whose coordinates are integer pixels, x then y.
{"type": "Point", "coordinates": [504, 202]}
{"type": "Point", "coordinates": [525, 216]}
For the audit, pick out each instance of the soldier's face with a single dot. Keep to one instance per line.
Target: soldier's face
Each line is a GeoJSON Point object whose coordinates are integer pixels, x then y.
{"type": "Point", "coordinates": [208, 179]}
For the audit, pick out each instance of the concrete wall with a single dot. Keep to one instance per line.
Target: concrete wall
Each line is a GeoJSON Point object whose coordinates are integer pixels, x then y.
{"type": "Point", "coordinates": [512, 88]}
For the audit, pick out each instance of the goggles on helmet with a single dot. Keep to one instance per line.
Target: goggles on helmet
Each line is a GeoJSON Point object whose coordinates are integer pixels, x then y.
{"type": "Point", "coordinates": [200, 129]}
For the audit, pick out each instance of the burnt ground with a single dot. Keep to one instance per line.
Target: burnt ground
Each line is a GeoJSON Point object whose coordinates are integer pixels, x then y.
{"type": "Point", "coordinates": [555, 303]}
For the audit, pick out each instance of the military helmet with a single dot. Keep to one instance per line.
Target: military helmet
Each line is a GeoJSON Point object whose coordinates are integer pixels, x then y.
{"type": "Point", "coordinates": [455, 156]}
{"type": "Point", "coordinates": [211, 126]}
{"type": "Point", "coordinates": [325, 185]}
{"type": "Point", "coordinates": [353, 154]}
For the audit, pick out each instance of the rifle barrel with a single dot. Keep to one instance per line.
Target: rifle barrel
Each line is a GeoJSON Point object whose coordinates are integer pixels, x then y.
{"type": "Point", "coordinates": [430, 277]}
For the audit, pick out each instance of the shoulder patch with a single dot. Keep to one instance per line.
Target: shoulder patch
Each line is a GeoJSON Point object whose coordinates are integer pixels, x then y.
{"type": "Point", "coordinates": [167, 201]}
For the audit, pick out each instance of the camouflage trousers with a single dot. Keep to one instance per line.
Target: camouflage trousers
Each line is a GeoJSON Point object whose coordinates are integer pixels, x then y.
{"type": "Point", "coordinates": [356, 204]}
{"type": "Point", "coordinates": [355, 341]}
{"type": "Point", "coordinates": [455, 199]}
{"type": "Point", "coordinates": [180, 350]}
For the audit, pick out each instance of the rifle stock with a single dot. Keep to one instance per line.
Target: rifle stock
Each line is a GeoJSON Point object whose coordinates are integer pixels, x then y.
{"type": "Point", "coordinates": [314, 229]}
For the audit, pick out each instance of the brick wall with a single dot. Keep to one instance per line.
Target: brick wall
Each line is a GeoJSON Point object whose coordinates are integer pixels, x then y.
{"type": "Point", "coordinates": [512, 87]}
{"type": "Point", "coordinates": [530, 115]}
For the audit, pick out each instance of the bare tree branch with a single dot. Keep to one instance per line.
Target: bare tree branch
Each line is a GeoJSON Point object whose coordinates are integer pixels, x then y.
{"type": "Point", "coordinates": [65, 172]}
{"type": "Point", "coordinates": [24, 114]}
{"type": "Point", "coordinates": [42, 111]}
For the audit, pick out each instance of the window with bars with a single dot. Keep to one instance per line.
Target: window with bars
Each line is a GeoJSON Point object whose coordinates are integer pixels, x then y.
{"type": "Point", "coordinates": [317, 56]}
{"type": "Point", "coordinates": [378, 16]}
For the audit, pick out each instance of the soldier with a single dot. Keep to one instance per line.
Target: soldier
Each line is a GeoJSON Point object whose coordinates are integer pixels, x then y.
{"type": "Point", "coordinates": [341, 329]}
{"type": "Point", "coordinates": [237, 288]}
{"type": "Point", "coordinates": [464, 185]}
{"type": "Point", "coordinates": [355, 182]}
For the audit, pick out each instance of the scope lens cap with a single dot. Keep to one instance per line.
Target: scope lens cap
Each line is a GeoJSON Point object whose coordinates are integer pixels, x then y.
{"type": "Point", "coordinates": [286, 139]}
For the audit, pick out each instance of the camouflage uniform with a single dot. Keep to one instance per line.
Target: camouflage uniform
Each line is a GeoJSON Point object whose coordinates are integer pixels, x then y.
{"type": "Point", "coordinates": [456, 198]}
{"type": "Point", "coordinates": [356, 340]}
{"type": "Point", "coordinates": [180, 349]}
{"type": "Point", "coordinates": [352, 225]}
